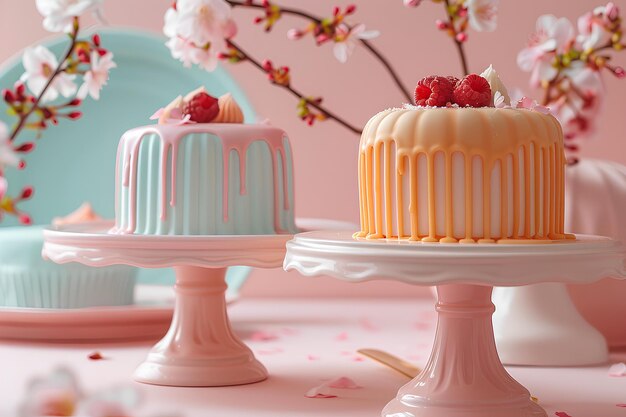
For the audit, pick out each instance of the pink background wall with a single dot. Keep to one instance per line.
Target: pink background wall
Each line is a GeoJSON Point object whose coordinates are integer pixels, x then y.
{"type": "Point", "coordinates": [325, 156]}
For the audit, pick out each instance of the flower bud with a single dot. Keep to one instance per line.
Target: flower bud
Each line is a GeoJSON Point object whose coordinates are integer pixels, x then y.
{"type": "Point", "coordinates": [350, 9]}
{"type": "Point", "coordinates": [20, 89]}
{"type": "Point", "coordinates": [461, 37]}
{"type": "Point", "coordinates": [96, 39]}
{"type": "Point", "coordinates": [25, 219]}
{"type": "Point", "coordinates": [294, 34]}
{"type": "Point", "coordinates": [27, 192]}
{"type": "Point", "coordinates": [441, 25]}
{"type": "Point", "coordinates": [9, 97]}
{"type": "Point", "coordinates": [25, 147]}
{"type": "Point", "coordinates": [412, 3]}
{"type": "Point", "coordinates": [74, 115]}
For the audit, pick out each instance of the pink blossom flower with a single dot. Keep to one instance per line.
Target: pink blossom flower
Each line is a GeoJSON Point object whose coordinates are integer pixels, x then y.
{"type": "Point", "coordinates": [530, 104]}
{"type": "Point", "coordinates": [592, 26]}
{"type": "Point", "coordinates": [3, 189]}
{"type": "Point", "coordinates": [40, 64]}
{"type": "Point", "coordinates": [551, 36]}
{"type": "Point", "coordinates": [97, 76]}
{"type": "Point", "coordinates": [59, 394]}
{"type": "Point", "coordinates": [346, 39]}
{"type": "Point", "coordinates": [59, 14]}
{"type": "Point", "coordinates": [482, 14]}
{"type": "Point", "coordinates": [175, 117]}
{"type": "Point", "coordinates": [8, 156]}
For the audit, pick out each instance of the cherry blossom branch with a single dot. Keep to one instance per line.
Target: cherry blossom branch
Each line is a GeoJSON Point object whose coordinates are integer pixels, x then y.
{"type": "Point", "coordinates": [317, 20]}
{"type": "Point", "coordinates": [287, 86]}
{"type": "Point", "coordinates": [455, 36]}
{"type": "Point", "coordinates": [60, 68]}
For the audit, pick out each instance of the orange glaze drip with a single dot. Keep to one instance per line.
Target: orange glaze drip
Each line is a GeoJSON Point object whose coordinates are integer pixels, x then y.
{"type": "Point", "coordinates": [493, 135]}
{"type": "Point", "coordinates": [399, 212]}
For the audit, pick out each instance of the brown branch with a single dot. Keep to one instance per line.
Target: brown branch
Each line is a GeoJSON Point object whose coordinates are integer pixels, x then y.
{"type": "Point", "coordinates": [327, 113]}
{"type": "Point", "coordinates": [368, 45]}
{"type": "Point", "coordinates": [21, 123]}
{"type": "Point", "coordinates": [459, 44]}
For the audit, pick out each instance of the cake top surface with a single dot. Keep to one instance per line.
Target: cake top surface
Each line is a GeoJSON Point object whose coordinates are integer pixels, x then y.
{"type": "Point", "coordinates": [220, 129]}
{"type": "Point", "coordinates": [475, 130]}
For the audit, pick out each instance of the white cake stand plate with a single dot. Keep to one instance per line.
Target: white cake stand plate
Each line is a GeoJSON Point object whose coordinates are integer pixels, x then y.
{"type": "Point", "coordinates": [539, 325]}
{"type": "Point", "coordinates": [200, 348]}
{"type": "Point", "coordinates": [464, 376]}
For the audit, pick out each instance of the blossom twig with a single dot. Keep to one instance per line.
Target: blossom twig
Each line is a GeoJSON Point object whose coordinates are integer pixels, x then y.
{"type": "Point", "coordinates": [456, 37]}
{"type": "Point", "coordinates": [70, 50]}
{"type": "Point", "coordinates": [318, 21]}
{"type": "Point", "coordinates": [287, 86]}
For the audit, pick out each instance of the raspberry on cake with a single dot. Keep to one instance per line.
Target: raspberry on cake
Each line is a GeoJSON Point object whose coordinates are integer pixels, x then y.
{"type": "Point", "coordinates": [468, 173]}
{"type": "Point", "coordinates": [434, 91]}
{"type": "Point", "coordinates": [472, 91]}
{"type": "Point", "coordinates": [201, 108]}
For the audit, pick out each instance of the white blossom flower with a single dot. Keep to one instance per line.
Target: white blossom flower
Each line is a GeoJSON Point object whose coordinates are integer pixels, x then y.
{"type": "Point", "coordinates": [551, 36]}
{"type": "Point", "coordinates": [346, 39]}
{"type": "Point", "coordinates": [8, 156]}
{"type": "Point", "coordinates": [482, 14]}
{"type": "Point", "coordinates": [59, 14]}
{"type": "Point", "coordinates": [202, 21]}
{"type": "Point", "coordinates": [189, 54]}
{"type": "Point", "coordinates": [97, 75]}
{"type": "Point", "coordinates": [40, 65]}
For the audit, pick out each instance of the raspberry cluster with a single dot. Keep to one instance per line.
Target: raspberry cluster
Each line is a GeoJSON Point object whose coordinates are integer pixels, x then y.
{"type": "Point", "coordinates": [436, 91]}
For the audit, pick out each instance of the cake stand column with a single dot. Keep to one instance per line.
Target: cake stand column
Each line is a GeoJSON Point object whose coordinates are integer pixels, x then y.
{"type": "Point", "coordinates": [200, 349]}
{"type": "Point", "coordinates": [464, 376]}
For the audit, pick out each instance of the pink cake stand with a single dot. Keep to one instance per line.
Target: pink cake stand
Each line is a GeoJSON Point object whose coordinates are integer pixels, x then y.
{"type": "Point", "coordinates": [200, 348]}
{"type": "Point", "coordinates": [464, 376]}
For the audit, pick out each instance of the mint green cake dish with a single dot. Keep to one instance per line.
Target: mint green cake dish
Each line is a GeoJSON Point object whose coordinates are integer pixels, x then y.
{"type": "Point", "coordinates": [27, 280]}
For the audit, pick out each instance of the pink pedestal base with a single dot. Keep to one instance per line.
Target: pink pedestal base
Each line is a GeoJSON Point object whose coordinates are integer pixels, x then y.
{"type": "Point", "coordinates": [200, 349]}
{"type": "Point", "coordinates": [464, 376]}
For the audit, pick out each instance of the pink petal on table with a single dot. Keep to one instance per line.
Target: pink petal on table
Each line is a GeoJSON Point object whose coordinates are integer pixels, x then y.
{"type": "Point", "coordinates": [423, 326]}
{"type": "Point", "coordinates": [312, 357]}
{"type": "Point", "coordinates": [620, 405]}
{"type": "Point", "coordinates": [321, 391]}
{"type": "Point", "coordinates": [342, 336]}
{"type": "Point", "coordinates": [288, 331]}
{"type": "Point", "coordinates": [358, 358]}
{"type": "Point", "coordinates": [368, 325]}
{"type": "Point", "coordinates": [343, 382]}
{"type": "Point", "coordinates": [561, 414]}
{"type": "Point", "coordinates": [262, 336]}
{"type": "Point", "coordinates": [618, 369]}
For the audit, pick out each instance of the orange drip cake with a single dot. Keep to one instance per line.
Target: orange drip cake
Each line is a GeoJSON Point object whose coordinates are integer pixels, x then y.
{"type": "Point", "coordinates": [471, 174]}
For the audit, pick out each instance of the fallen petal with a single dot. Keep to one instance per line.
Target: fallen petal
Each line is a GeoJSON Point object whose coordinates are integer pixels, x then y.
{"type": "Point", "coordinates": [343, 382]}
{"type": "Point", "coordinates": [321, 391]}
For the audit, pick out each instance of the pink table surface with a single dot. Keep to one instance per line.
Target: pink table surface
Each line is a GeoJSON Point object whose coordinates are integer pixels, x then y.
{"type": "Point", "coordinates": [313, 341]}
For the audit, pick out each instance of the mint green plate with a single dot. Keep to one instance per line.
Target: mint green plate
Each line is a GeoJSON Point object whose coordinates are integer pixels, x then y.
{"type": "Point", "coordinates": [75, 161]}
